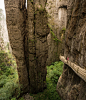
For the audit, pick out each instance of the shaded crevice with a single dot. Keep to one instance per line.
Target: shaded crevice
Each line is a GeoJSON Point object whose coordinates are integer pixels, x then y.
{"type": "Point", "coordinates": [35, 91]}
{"type": "Point", "coordinates": [25, 41]}
{"type": "Point", "coordinates": [22, 4]}
{"type": "Point", "coordinates": [63, 6]}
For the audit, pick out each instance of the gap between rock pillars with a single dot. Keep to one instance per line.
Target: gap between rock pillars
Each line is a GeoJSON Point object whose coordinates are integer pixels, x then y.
{"type": "Point", "coordinates": [26, 4]}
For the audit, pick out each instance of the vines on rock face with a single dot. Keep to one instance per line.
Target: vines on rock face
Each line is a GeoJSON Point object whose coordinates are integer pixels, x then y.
{"type": "Point", "coordinates": [54, 36]}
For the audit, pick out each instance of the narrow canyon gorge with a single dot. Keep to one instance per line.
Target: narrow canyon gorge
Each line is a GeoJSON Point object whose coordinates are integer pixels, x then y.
{"type": "Point", "coordinates": [42, 32]}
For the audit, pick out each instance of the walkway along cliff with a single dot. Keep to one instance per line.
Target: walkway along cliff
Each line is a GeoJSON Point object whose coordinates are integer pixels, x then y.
{"type": "Point", "coordinates": [32, 33]}
{"type": "Point", "coordinates": [72, 83]}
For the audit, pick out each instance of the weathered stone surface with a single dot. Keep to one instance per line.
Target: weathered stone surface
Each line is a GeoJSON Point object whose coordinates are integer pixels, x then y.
{"type": "Point", "coordinates": [33, 45]}
{"type": "Point", "coordinates": [37, 45]}
{"type": "Point", "coordinates": [3, 32]}
{"type": "Point", "coordinates": [75, 34]}
{"type": "Point", "coordinates": [57, 19]}
{"type": "Point", "coordinates": [70, 86]}
{"type": "Point", "coordinates": [52, 21]}
{"type": "Point", "coordinates": [15, 25]}
{"type": "Point", "coordinates": [28, 32]}
{"type": "Point", "coordinates": [41, 32]}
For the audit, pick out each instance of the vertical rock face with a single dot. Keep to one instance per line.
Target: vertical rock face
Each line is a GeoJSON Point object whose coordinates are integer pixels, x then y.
{"type": "Point", "coordinates": [62, 22]}
{"type": "Point", "coordinates": [15, 25]}
{"type": "Point", "coordinates": [70, 86]}
{"type": "Point", "coordinates": [37, 43]}
{"type": "Point", "coordinates": [53, 23]}
{"type": "Point", "coordinates": [3, 31]}
{"type": "Point", "coordinates": [33, 45]}
{"type": "Point", "coordinates": [30, 46]}
{"type": "Point", "coordinates": [28, 32]}
{"type": "Point", "coordinates": [57, 19]}
{"type": "Point", "coordinates": [41, 32]}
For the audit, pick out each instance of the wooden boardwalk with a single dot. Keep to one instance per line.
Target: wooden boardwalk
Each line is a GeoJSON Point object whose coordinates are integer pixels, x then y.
{"type": "Point", "coordinates": [77, 69]}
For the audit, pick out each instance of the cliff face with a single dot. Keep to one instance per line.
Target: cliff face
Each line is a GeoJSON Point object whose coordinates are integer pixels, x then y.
{"type": "Point", "coordinates": [33, 42]}
{"type": "Point", "coordinates": [3, 31]}
{"type": "Point", "coordinates": [28, 30]}
{"type": "Point", "coordinates": [15, 25]}
{"type": "Point", "coordinates": [37, 31]}
{"type": "Point", "coordinates": [57, 19]}
{"type": "Point", "coordinates": [52, 44]}
{"type": "Point", "coordinates": [70, 86]}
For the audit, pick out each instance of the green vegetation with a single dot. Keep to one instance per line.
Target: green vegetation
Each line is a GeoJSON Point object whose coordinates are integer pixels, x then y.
{"type": "Point", "coordinates": [9, 88]}
{"type": "Point", "coordinates": [54, 36]}
{"type": "Point", "coordinates": [18, 99]}
{"type": "Point", "coordinates": [48, 15]}
{"type": "Point", "coordinates": [31, 1]}
{"type": "Point", "coordinates": [32, 40]}
{"type": "Point", "coordinates": [53, 73]}
{"type": "Point", "coordinates": [62, 33]}
{"type": "Point", "coordinates": [8, 76]}
{"type": "Point", "coordinates": [64, 29]}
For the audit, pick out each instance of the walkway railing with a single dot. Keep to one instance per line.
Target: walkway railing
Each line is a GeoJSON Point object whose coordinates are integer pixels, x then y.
{"type": "Point", "coordinates": [77, 69]}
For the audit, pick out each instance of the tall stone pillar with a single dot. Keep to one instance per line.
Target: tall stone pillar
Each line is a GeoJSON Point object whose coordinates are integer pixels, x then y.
{"type": "Point", "coordinates": [37, 43]}
{"type": "Point", "coordinates": [15, 25]}
{"type": "Point", "coordinates": [28, 32]}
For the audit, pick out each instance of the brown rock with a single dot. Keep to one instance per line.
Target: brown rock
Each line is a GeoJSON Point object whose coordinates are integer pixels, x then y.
{"type": "Point", "coordinates": [70, 86]}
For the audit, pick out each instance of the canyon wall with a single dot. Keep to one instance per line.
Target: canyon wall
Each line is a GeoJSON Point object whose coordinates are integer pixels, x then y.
{"type": "Point", "coordinates": [15, 25]}
{"type": "Point", "coordinates": [36, 35]}
{"type": "Point", "coordinates": [37, 31]}
{"type": "Point", "coordinates": [57, 19]}
{"type": "Point", "coordinates": [70, 86]}
{"type": "Point", "coordinates": [28, 30]}
{"type": "Point", "coordinates": [4, 40]}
